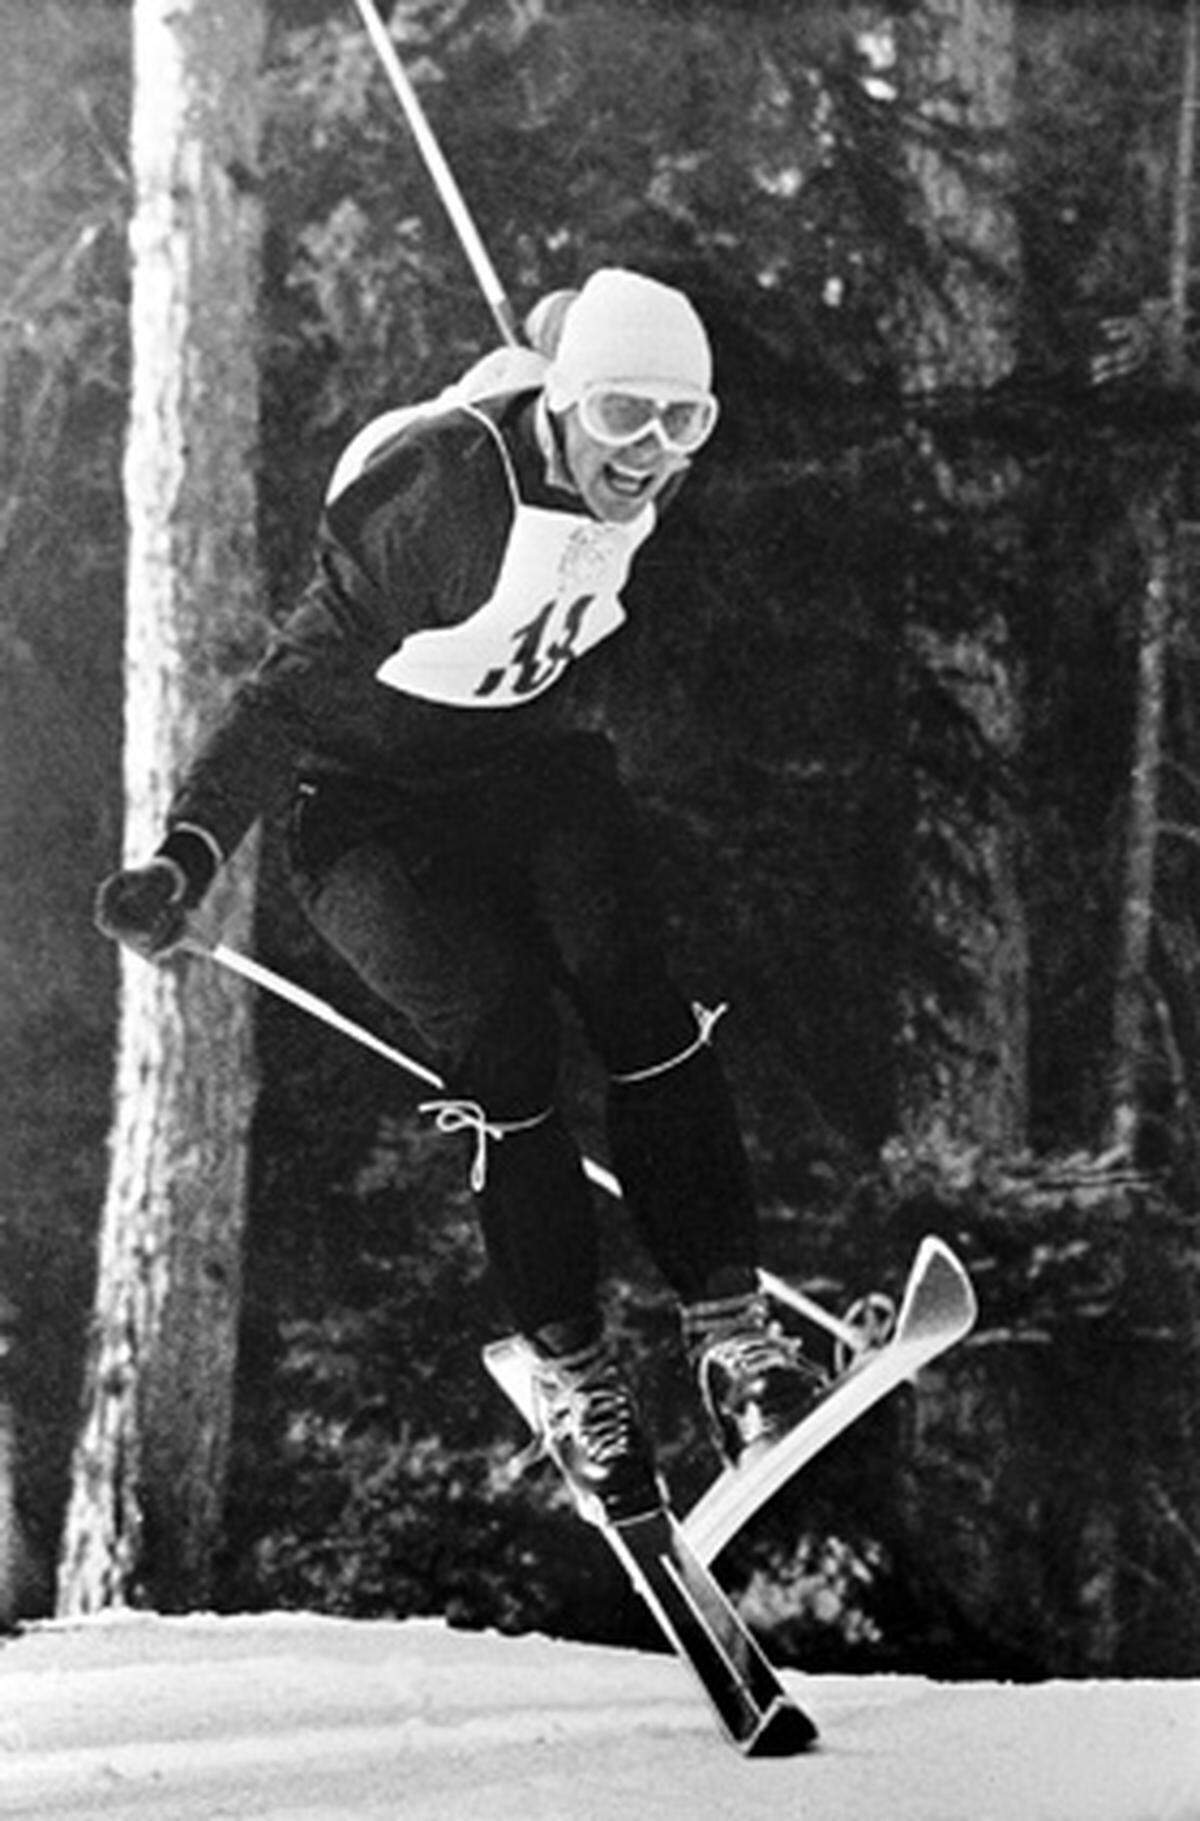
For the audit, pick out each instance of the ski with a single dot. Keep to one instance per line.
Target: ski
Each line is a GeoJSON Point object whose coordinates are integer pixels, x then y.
{"type": "Point", "coordinates": [753, 1709]}
{"type": "Point", "coordinates": [938, 1308]}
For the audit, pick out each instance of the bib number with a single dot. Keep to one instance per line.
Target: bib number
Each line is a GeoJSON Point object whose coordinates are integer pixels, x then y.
{"type": "Point", "coordinates": [542, 649]}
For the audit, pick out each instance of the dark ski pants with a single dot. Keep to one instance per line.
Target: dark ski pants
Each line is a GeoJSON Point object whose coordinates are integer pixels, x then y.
{"type": "Point", "coordinates": [468, 906]}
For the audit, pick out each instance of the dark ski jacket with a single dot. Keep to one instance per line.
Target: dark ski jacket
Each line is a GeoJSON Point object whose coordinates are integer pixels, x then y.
{"type": "Point", "coordinates": [414, 544]}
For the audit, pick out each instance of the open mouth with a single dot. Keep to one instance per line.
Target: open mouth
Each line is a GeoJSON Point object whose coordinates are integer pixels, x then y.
{"type": "Point", "coordinates": [628, 483]}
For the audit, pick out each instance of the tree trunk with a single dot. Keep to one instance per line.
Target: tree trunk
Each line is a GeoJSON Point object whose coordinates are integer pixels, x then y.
{"type": "Point", "coordinates": [1154, 522]}
{"type": "Point", "coordinates": [150, 1464]}
{"type": "Point", "coordinates": [1156, 514]}
{"type": "Point", "coordinates": [16, 1559]}
{"type": "Point", "coordinates": [963, 1053]}
{"type": "Point", "coordinates": [1184, 198]}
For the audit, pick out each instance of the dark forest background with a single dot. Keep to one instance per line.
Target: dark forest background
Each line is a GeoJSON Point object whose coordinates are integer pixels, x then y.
{"type": "Point", "coordinates": [1036, 1508]}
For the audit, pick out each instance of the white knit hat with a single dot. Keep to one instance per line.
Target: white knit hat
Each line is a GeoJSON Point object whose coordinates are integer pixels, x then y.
{"type": "Point", "coordinates": [625, 327]}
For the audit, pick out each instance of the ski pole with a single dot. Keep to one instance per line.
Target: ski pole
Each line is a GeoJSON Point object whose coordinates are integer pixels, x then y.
{"type": "Point", "coordinates": [299, 996]}
{"type": "Point", "coordinates": [440, 172]}
{"type": "Point", "coordinates": [272, 982]}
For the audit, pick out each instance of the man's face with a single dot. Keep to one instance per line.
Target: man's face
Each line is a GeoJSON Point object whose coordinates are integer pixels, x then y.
{"type": "Point", "coordinates": [617, 483]}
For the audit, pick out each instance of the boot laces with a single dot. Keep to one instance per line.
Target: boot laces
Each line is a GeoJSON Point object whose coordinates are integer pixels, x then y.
{"type": "Point", "coordinates": [756, 1382]}
{"type": "Point", "coordinates": [596, 1410]}
{"type": "Point", "coordinates": [749, 1354]}
{"type": "Point", "coordinates": [606, 1423]}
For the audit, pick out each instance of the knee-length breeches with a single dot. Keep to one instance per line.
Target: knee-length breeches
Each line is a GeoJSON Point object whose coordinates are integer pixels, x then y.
{"type": "Point", "coordinates": [467, 906]}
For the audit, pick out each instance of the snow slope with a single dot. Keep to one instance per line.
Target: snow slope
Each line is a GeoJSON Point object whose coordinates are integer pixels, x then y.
{"type": "Point", "coordinates": [295, 1718]}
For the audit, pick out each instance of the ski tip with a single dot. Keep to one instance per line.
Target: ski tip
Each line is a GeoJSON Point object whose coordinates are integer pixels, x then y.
{"type": "Point", "coordinates": [939, 1291]}
{"type": "Point", "coordinates": [786, 1731]}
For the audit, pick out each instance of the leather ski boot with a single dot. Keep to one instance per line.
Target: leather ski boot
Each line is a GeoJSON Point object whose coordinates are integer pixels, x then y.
{"type": "Point", "coordinates": [755, 1382]}
{"type": "Point", "coordinates": [589, 1422]}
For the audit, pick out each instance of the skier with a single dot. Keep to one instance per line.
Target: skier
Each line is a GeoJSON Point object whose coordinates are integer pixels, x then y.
{"type": "Point", "coordinates": [472, 855]}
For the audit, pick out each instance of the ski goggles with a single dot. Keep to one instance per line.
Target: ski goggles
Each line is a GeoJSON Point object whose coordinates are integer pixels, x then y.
{"type": "Point", "coordinates": [616, 415]}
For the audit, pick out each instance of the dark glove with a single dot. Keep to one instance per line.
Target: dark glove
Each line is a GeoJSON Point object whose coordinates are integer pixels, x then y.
{"type": "Point", "coordinates": [143, 906]}
{"type": "Point", "coordinates": [146, 907]}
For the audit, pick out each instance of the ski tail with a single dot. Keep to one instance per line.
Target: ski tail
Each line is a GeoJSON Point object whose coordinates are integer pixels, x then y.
{"type": "Point", "coordinates": [755, 1712]}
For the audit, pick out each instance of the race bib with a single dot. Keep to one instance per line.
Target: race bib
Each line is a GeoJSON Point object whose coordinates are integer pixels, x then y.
{"type": "Point", "coordinates": [557, 595]}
